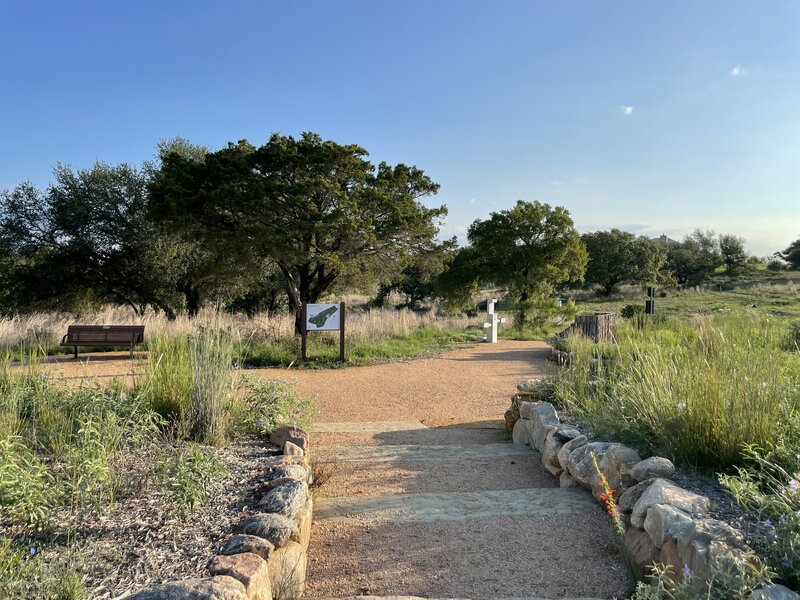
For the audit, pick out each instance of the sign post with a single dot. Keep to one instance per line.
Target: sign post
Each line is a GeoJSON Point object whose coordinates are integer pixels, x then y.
{"type": "Point", "coordinates": [494, 321]}
{"type": "Point", "coordinates": [322, 317]}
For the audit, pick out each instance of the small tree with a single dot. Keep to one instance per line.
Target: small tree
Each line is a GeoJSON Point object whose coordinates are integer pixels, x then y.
{"type": "Point", "coordinates": [617, 256]}
{"type": "Point", "coordinates": [695, 258]}
{"type": "Point", "coordinates": [733, 253]}
{"type": "Point", "coordinates": [528, 249]}
{"type": "Point", "coordinates": [791, 254]}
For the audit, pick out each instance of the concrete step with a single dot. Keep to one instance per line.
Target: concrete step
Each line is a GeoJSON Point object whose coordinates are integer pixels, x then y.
{"type": "Point", "coordinates": [454, 506]}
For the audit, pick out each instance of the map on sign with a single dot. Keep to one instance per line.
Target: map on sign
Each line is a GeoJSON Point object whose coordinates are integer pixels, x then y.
{"type": "Point", "coordinates": [323, 317]}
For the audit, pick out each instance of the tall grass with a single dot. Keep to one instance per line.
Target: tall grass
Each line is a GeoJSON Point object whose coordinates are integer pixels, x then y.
{"type": "Point", "coordinates": [696, 391]}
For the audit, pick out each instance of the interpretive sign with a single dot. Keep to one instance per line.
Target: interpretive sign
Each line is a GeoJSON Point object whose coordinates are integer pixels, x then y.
{"type": "Point", "coordinates": [323, 317]}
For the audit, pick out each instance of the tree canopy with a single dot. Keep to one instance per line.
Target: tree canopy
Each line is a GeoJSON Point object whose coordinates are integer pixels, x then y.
{"type": "Point", "coordinates": [317, 209]}
{"type": "Point", "coordinates": [792, 254]}
{"type": "Point", "coordinates": [617, 256]}
{"type": "Point", "coordinates": [528, 250]}
{"type": "Point", "coordinates": [694, 259]}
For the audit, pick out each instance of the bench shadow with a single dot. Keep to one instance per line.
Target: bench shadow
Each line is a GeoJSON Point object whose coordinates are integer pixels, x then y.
{"type": "Point", "coordinates": [90, 357]}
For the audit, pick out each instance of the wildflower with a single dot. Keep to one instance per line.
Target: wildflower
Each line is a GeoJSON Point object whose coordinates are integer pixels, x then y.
{"type": "Point", "coordinates": [681, 405]}
{"type": "Point", "coordinates": [784, 518]}
{"type": "Point", "coordinates": [768, 523]}
{"type": "Point", "coordinates": [686, 571]}
{"type": "Point", "coordinates": [793, 485]}
{"type": "Point", "coordinates": [786, 562]}
{"type": "Point", "coordinates": [32, 551]}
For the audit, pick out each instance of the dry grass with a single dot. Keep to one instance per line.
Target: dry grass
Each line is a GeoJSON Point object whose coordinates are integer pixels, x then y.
{"type": "Point", "coordinates": [47, 329]}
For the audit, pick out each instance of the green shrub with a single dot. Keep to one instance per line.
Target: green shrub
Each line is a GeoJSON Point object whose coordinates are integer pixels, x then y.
{"type": "Point", "coordinates": [189, 475]}
{"type": "Point", "coordinates": [765, 488]}
{"type": "Point", "coordinates": [266, 404]}
{"type": "Point", "coordinates": [629, 311]}
{"type": "Point", "coordinates": [25, 483]}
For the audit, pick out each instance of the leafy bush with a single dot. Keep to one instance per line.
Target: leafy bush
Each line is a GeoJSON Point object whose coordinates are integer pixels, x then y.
{"type": "Point", "coordinates": [190, 475]}
{"type": "Point", "coordinates": [793, 342]}
{"type": "Point", "coordinates": [267, 404]}
{"type": "Point", "coordinates": [765, 488]}
{"type": "Point", "coordinates": [25, 483]}
{"type": "Point", "coordinates": [629, 311]}
{"type": "Point", "coordinates": [23, 575]}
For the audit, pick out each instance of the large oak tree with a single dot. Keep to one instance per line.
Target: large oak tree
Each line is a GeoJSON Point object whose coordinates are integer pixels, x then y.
{"type": "Point", "coordinates": [317, 209]}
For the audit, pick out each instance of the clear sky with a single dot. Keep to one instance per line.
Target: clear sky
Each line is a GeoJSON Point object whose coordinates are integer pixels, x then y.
{"type": "Point", "coordinates": [653, 117]}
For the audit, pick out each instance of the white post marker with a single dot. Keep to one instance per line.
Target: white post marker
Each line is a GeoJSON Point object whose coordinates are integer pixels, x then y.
{"type": "Point", "coordinates": [494, 321]}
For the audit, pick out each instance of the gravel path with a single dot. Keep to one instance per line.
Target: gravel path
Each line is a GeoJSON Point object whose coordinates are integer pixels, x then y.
{"type": "Point", "coordinates": [423, 494]}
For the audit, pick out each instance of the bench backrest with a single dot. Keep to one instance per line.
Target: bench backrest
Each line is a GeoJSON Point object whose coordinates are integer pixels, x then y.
{"type": "Point", "coordinates": [105, 334]}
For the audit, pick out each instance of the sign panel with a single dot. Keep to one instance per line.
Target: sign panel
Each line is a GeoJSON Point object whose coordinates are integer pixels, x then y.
{"type": "Point", "coordinates": [323, 317]}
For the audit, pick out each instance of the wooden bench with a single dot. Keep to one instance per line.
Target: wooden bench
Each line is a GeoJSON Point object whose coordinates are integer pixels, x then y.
{"type": "Point", "coordinates": [103, 335]}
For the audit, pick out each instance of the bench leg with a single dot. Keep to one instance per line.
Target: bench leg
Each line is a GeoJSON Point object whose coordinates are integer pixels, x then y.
{"type": "Point", "coordinates": [76, 352]}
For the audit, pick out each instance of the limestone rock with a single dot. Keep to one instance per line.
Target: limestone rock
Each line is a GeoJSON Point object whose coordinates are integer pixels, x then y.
{"type": "Point", "coordinates": [287, 571]}
{"type": "Point", "coordinates": [303, 520]}
{"type": "Point", "coordinates": [616, 464]}
{"type": "Point", "coordinates": [579, 462]}
{"type": "Point", "coordinates": [567, 448]}
{"type": "Point", "coordinates": [629, 497]}
{"type": "Point", "coordinates": [525, 407]}
{"type": "Point", "coordinates": [774, 591]}
{"type": "Point", "coordinates": [707, 545]}
{"type": "Point", "coordinates": [241, 543]}
{"type": "Point", "coordinates": [287, 499]}
{"type": "Point", "coordinates": [661, 519]}
{"type": "Point", "coordinates": [662, 491]}
{"type": "Point", "coordinates": [655, 466]}
{"type": "Point", "coordinates": [565, 433]}
{"type": "Point", "coordinates": [214, 588]}
{"type": "Point", "coordinates": [290, 434]}
{"type": "Point", "coordinates": [543, 417]}
{"type": "Point", "coordinates": [519, 434]}
{"type": "Point", "coordinates": [669, 556]}
{"type": "Point", "coordinates": [292, 449]}
{"type": "Point", "coordinates": [274, 483]}
{"type": "Point", "coordinates": [249, 569]}
{"type": "Point", "coordinates": [530, 386]}
{"type": "Point", "coordinates": [642, 550]}
{"type": "Point", "coordinates": [290, 471]}
{"type": "Point", "coordinates": [550, 453]}
{"type": "Point", "coordinates": [511, 417]}
{"type": "Point", "coordinates": [275, 462]}
{"type": "Point", "coordinates": [274, 528]}
{"type": "Point", "coordinates": [565, 480]}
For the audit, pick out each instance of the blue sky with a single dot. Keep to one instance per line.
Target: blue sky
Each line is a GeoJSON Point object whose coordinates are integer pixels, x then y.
{"type": "Point", "coordinates": [653, 117]}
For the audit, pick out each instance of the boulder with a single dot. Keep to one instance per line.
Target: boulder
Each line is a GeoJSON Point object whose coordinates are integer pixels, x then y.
{"type": "Point", "coordinates": [543, 417]}
{"type": "Point", "coordinates": [274, 528]}
{"type": "Point", "coordinates": [531, 387]}
{"type": "Point", "coordinates": [550, 453]}
{"type": "Point", "coordinates": [662, 491]}
{"type": "Point", "coordinates": [519, 435]}
{"type": "Point", "coordinates": [706, 546]}
{"type": "Point", "coordinates": [287, 572]}
{"type": "Point", "coordinates": [287, 499]}
{"type": "Point", "coordinates": [241, 543]}
{"type": "Point", "coordinates": [303, 520]}
{"type": "Point", "coordinates": [249, 569]}
{"type": "Point", "coordinates": [652, 467]}
{"type": "Point", "coordinates": [291, 471]}
{"type": "Point", "coordinates": [565, 480]}
{"type": "Point", "coordinates": [567, 433]}
{"type": "Point", "coordinates": [567, 448]}
{"type": "Point", "coordinates": [282, 460]}
{"type": "Point", "coordinates": [510, 417]}
{"type": "Point", "coordinates": [774, 591]}
{"type": "Point", "coordinates": [669, 557]}
{"type": "Point", "coordinates": [525, 409]}
{"type": "Point", "coordinates": [629, 497]}
{"type": "Point", "coordinates": [274, 483]}
{"type": "Point", "coordinates": [290, 434]}
{"type": "Point", "coordinates": [641, 549]}
{"type": "Point", "coordinates": [579, 462]}
{"type": "Point", "coordinates": [214, 588]}
{"type": "Point", "coordinates": [292, 449]}
{"type": "Point", "coordinates": [661, 519]}
{"type": "Point", "coordinates": [616, 464]}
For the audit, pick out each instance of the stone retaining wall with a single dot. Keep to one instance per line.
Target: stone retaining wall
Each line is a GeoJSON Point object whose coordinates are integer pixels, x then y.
{"type": "Point", "coordinates": [663, 522]}
{"type": "Point", "coordinates": [265, 558]}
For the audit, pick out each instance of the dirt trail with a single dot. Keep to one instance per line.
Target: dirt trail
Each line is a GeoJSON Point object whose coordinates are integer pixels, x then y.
{"type": "Point", "coordinates": [426, 496]}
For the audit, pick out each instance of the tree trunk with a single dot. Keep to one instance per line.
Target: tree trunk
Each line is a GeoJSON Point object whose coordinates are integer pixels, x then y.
{"type": "Point", "coordinates": [193, 299]}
